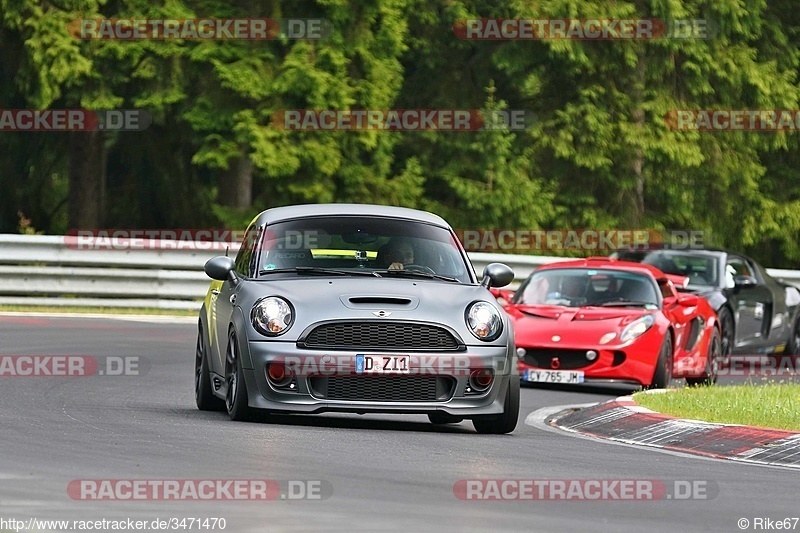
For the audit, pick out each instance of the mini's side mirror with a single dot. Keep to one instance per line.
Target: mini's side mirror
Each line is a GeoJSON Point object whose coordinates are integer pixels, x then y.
{"type": "Point", "coordinates": [497, 275]}
{"type": "Point", "coordinates": [741, 282]}
{"type": "Point", "coordinates": [219, 267]}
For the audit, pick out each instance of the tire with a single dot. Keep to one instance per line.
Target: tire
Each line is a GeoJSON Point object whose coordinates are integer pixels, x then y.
{"type": "Point", "coordinates": [236, 395]}
{"type": "Point", "coordinates": [662, 375]}
{"type": "Point", "coordinates": [203, 392]}
{"type": "Point", "coordinates": [443, 418]}
{"type": "Point", "coordinates": [505, 422]}
{"type": "Point", "coordinates": [725, 319]}
{"type": "Point", "coordinates": [713, 362]}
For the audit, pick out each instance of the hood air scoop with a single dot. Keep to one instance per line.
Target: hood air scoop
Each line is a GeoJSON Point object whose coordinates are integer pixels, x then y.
{"type": "Point", "coordinates": [378, 301]}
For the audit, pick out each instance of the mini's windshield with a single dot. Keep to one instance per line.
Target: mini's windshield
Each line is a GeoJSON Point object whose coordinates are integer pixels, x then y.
{"type": "Point", "coordinates": [578, 287]}
{"type": "Point", "coordinates": [360, 245]}
{"type": "Point", "coordinates": [701, 269]}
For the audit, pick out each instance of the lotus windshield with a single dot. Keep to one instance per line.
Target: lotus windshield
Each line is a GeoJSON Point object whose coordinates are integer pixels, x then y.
{"type": "Point", "coordinates": [361, 245]}
{"type": "Point", "coordinates": [580, 287]}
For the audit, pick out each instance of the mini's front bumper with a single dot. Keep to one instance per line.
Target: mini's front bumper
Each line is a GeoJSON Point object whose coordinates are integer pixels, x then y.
{"type": "Point", "coordinates": [305, 365]}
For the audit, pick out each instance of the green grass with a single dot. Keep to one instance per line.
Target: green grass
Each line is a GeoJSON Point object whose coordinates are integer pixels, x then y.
{"type": "Point", "coordinates": [773, 405]}
{"type": "Point", "coordinates": [96, 310]}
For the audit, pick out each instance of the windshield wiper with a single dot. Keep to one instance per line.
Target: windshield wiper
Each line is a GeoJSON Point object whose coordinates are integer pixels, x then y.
{"type": "Point", "coordinates": [415, 274]}
{"type": "Point", "coordinates": [317, 270]}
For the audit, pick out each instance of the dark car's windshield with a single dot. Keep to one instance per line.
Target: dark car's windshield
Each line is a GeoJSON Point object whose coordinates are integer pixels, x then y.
{"type": "Point", "coordinates": [360, 244]}
{"type": "Point", "coordinates": [579, 287]}
{"type": "Point", "coordinates": [701, 269]}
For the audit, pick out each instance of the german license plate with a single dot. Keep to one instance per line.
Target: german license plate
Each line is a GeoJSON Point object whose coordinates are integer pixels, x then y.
{"type": "Point", "coordinates": [382, 364]}
{"type": "Point", "coordinates": [553, 376]}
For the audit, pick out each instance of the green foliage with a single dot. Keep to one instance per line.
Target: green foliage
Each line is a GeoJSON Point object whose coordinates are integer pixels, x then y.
{"type": "Point", "coordinates": [600, 154]}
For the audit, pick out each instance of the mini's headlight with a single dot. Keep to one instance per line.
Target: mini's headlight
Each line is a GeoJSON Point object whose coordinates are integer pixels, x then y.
{"type": "Point", "coordinates": [484, 321]}
{"type": "Point", "coordinates": [636, 328]}
{"type": "Point", "coordinates": [272, 316]}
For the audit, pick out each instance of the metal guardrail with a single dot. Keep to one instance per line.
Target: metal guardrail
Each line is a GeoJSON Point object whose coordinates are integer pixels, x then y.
{"type": "Point", "coordinates": [53, 271]}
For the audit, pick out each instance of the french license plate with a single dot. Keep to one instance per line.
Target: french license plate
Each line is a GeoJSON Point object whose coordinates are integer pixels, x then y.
{"type": "Point", "coordinates": [382, 364]}
{"type": "Point", "coordinates": [553, 376]}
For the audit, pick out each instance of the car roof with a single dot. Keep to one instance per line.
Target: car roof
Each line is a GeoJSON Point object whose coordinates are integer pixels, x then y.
{"type": "Point", "coordinates": [608, 264]}
{"type": "Point", "coordinates": [689, 251]}
{"type": "Point", "coordinates": [278, 214]}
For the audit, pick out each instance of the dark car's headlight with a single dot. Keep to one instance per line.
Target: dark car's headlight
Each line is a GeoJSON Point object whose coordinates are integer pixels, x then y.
{"type": "Point", "coordinates": [484, 321]}
{"type": "Point", "coordinates": [637, 328]}
{"type": "Point", "coordinates": [272, 316]}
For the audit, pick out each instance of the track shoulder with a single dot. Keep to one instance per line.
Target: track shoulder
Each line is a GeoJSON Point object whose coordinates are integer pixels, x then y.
{"type": "Point", "coordinates": [623, 420]}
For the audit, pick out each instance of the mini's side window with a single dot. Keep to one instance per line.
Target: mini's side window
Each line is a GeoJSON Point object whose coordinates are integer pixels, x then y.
{"type": "Point", "coordinates": [246, 255]}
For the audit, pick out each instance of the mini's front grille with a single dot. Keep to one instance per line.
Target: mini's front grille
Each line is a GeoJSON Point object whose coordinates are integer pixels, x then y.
{"type": "Point", "coordinates": [383, 388]}
{"type": "Point", "coordinates": [380, 335]}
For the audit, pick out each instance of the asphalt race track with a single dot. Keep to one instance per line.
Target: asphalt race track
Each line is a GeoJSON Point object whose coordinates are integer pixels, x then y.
{"type": "Point", "coordinates": [385, 472]}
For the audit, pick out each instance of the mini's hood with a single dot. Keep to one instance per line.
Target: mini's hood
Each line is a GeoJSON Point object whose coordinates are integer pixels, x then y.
{"type": "Point", "coordinates": [317, 299]}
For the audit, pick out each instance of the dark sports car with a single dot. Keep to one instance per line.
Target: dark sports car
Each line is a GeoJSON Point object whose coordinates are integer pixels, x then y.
{"type": "Point", "coordinates": [758, 313]}
{"type": "Point", "coordinates": [356, 308]}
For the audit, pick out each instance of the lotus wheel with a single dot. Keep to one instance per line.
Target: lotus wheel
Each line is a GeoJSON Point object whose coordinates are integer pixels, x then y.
{"type": "Point", "coordinates": [713, 362]}
{"type": "Point", "coordinates": [662, 376]}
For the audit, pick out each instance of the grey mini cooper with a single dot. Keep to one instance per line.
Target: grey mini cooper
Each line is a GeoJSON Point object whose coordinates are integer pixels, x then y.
{"type": "Point", "coordinates": [356, 308]}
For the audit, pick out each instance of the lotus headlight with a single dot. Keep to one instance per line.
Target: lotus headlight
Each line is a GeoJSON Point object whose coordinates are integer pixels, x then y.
{"type": "Point", "coordinates": [484, 321]}
{"type": "Point", "coordinates": [637, 328]}
{"type": "Point", "coordinates": [272, 316]}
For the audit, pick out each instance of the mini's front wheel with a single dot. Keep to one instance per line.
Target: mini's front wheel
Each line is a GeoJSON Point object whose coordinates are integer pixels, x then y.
{"type": "Point", "coordinates": [236, 395]}
{"type": "Point", "coordinates": [505, 422]}
{"type": "Point", "coordinates": [203, 393]}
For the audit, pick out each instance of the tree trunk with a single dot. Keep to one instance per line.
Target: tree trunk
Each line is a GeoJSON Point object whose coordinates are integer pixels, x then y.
{"type": "Point", "coordinates": [637, 163]}
{"type": "Point", "coordinates": [236, 184]}
{"type": "Point", "coordinates": [87, 173]}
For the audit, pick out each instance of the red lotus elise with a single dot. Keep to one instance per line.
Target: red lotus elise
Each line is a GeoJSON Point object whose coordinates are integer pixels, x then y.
{"type": "Point", "coordinates": [604, 321]}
